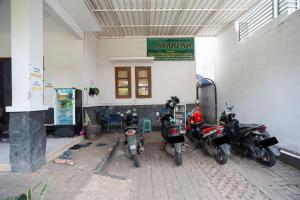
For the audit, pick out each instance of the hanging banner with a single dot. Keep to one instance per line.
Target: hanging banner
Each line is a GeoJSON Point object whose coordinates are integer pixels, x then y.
{"type": "Point", "coordinates": [170, 48]}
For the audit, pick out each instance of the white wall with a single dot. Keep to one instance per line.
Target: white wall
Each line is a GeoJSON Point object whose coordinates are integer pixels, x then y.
{"type": "Point", "coordinates": [63, 61]}
{"type": "Point", "coordinates": [63, 52]}
{"type": "Point", "coordinates": [91, 72]}
{"type": "Point", "coordinates": [206, 56]}
{"type": "Point", "coordinates": [168, 78]}
{"type": "Point", "coordinates": [260, 77]}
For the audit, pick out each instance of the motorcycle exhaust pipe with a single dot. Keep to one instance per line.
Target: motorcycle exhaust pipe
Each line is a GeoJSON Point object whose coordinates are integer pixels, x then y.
{"type": "Point", "coordinates": [141, 150]}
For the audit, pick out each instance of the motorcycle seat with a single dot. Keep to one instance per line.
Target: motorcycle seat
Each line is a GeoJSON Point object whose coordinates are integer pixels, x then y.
{"type": "Point", "coordinates": [205, 125]}
{"type": "Point", "coordinates": [135, 127]}
{"type": "Point", "coordinates": [246, 126]}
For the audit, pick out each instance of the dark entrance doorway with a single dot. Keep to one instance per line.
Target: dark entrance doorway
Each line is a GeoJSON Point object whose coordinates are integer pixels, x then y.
{"type": "Point", "coordinates": [5, 95]}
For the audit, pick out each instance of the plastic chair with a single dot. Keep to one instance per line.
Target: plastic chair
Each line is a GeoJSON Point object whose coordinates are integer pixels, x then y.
{"type": "Point", "coordinates": [114, 121]}
{"type": "Point", "coordinates": [103, 116]}
{"type": "Point", "coordinates": [146, 126]}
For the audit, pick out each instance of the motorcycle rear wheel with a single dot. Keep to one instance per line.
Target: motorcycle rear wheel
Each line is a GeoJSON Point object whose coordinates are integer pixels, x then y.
{"type": "Point", "coordinates": [136, 160]}
{"type": "Point", "coordinates": [178, 158]}
{"type": "Point", "coordinates": [221, 157]}
{"type": "Point", "coordinates": [204, 148]}
{"type": "Point", "coordinates": [268, 158]}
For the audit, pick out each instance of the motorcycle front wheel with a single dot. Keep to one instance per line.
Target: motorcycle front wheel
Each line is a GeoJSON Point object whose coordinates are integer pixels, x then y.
{"type": "Point", "coordinates": [178, 158]}
{"type": "Point", "coordinates": [221, 157]}
{"type": "Point", "coordinates": [268, 158]}
{"type": "Point", "coordinates": [136, 160]}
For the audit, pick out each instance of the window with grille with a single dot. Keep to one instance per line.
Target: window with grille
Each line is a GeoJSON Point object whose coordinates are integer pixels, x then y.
{"type": "Point", "coordinates": [123, 82]}
{"type": "Point", "coordinates": [287, 6]}
{"type": "Point", "coordinates": [143, 82]}
{"type": "Point", "coordinates": [263, 13]}
{"type": "Point", "coordinates": [260, 15]}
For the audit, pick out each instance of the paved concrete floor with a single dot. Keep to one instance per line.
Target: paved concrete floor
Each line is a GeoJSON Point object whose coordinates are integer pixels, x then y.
{"type": "Point", "coordinates": [51, 145]}
{"type": "Point", "coordinates": [64, 182]}
{"type": "Point", "coordinates": [200, 177]}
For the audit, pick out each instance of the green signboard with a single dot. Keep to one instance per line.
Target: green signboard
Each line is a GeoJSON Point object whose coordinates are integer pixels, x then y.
{"type": "Point", "coordinates": [170, 48]}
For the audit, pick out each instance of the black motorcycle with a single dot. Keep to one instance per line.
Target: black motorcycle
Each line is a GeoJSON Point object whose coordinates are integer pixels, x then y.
{"type": "Point", "coordinates": [133, 138]}
{"type": "Point", "coordinates": [170, 131]}
{"type": "Point", "coordinates": [252, 139]}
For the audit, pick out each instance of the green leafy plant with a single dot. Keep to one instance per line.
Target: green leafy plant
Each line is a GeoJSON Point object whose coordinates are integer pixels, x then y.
{"type": "Point", "coordinates": [28, 195]}
{"type": "Point", "coordinates": [93, 91]}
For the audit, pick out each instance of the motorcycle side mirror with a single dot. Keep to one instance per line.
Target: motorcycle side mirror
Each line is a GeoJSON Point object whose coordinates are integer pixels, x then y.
{"type": "Point", "coordinates": [197, 101]}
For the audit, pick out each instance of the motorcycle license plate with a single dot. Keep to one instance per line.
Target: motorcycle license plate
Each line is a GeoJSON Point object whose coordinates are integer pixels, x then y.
{"type": "Point", "coordinates": [176, 139]}
{"type": "Point", "coordinates": [222, 140]}
{"type": "Point", "coordinates": [268, 142]}
{"type": "Point", "coordinates": [132, 147]}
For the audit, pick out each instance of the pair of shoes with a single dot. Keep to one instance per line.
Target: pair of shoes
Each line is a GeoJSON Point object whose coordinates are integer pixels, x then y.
{"type": "Point", "coordinates": [66, 155]}
{"type": "Point", "coordinates": [75, 147]}
{"type": "Point", "coordinates": [64, 161]}
{"type": "Point", "coordinates": [86, 145]}
{"type": "Point", "coordinates": [100, 144]}
{"type": "Point", "coordinates": [68, 152]}
{"type": "Point", "coordinates": [78, 146]}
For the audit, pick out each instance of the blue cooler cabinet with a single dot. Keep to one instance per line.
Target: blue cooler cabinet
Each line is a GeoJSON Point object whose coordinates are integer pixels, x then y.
{"type": "Point", "coordinates": [67, 112]}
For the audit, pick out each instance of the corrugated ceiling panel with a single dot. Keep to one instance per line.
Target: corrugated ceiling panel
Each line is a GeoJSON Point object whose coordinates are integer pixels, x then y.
{"type": "Point", "coordinates": [132, 17]}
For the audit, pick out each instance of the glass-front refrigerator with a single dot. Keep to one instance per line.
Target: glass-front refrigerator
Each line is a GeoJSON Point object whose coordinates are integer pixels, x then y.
{"type": "Point", "coordinates": [67, 111]}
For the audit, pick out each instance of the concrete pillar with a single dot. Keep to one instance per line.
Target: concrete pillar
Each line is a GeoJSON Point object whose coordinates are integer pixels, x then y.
{"type": "Point", "coordinates": [27, 132]}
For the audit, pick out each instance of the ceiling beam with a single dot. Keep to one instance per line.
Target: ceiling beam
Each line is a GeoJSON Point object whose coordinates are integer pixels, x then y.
{"type": "Point", "coordinates": [147, 18]}
{"type": "Point", "coordinates": [210, 16]}
{"type": "Point", "coordinates": [115, 15]}
{"type": "Point", "coordinates": [64, 15]}
{"type": "Point", "coordinates": [143, 36]}
{"type": "Point", "coordinates": [178, 16]}
{"type": "Point", "coordinates": [168, 9]}
{"type": "Point", "coordinates": [164, 25]}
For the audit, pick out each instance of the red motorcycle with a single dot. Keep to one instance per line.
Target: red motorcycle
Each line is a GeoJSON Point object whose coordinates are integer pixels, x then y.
{"type": "Point", "coordinates": [210, 138]}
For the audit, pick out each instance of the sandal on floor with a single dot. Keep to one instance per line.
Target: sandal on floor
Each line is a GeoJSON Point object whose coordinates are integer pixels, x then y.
{"type": "Point", "coordinates": [64, 161]}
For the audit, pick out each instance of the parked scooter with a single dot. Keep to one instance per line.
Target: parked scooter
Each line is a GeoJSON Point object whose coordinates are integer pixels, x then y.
{"type": "Point", "coordinates": [210, 138]}
{"type": "Point", "coordinates": [170, 131]}
{"type": "Point", "coordinates": [252, 139]}
{"type": "Point", "coordinates": [133, 138]}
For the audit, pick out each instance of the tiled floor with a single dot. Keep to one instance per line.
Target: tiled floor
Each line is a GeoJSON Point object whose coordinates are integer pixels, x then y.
{"type": "Point", "coordinates": [200, 177]}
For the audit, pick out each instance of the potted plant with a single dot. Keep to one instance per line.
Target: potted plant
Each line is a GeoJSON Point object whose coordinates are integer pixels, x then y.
{"type": "Point", "coordinates": [93, 91]}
